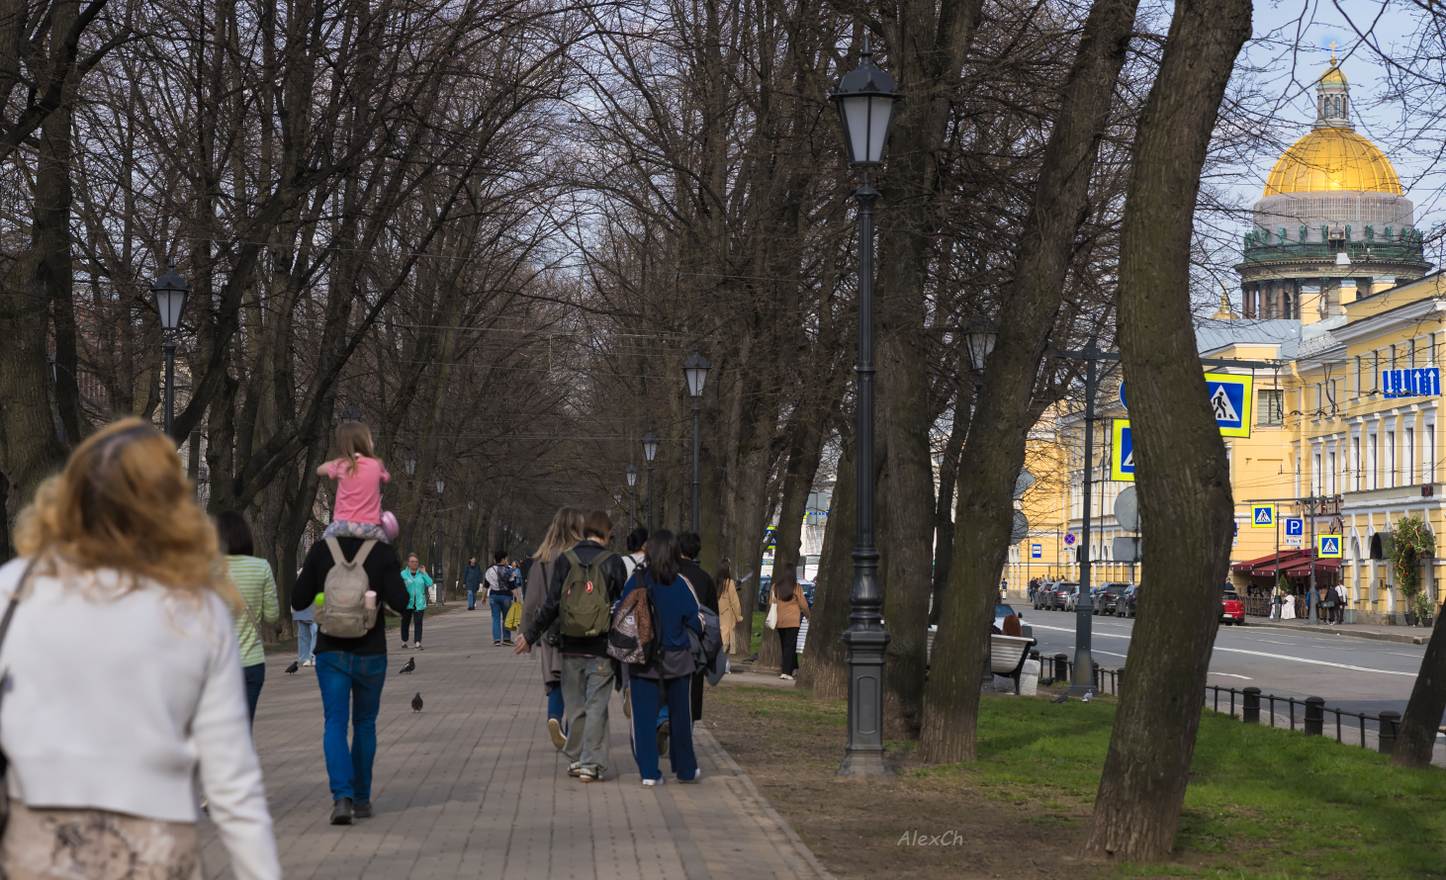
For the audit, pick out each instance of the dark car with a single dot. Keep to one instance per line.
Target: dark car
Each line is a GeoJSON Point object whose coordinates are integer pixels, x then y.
{"type": "Point", "coordinates": [766, 582]}
{"type": "Point", "coordinates": [1052, 596]}
{"type": "Point", "coordinates": [1108, 597]}
{"type": "Point", "coordinates": [1126, 602]}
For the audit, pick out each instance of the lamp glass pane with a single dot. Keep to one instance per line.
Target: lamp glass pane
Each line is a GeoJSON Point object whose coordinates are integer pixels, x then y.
{"type": "Point", "coordinates": [880, 109]}
{"type": "Point", "coordinates": [169, 303]}
{"type": "Point", "coordinates": [696, 378]}
{"type": "Point", "coordinates": [856, 127]}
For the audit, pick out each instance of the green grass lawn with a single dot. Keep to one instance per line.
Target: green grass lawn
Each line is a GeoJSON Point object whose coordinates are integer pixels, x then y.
{"type": "Point", "coordinates": [1266, 803]}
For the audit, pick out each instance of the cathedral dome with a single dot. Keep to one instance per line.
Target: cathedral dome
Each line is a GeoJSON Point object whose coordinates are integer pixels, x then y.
{"type": "Point", "coordinates": [1333, 160]}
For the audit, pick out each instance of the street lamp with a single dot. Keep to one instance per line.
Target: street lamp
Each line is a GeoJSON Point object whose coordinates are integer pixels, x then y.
{"type": "Point", "coordinates": [979, 338]}
{"type": "Point", "coordinates": [202, 476]}
{"type": "Point", "coordinates": [865, 99]}
{"type": "Point", "coordinates": [351, 414]}
{"type": "Point", "coordinates": [695, 370]}
{"type": "Point", "coordinates": [650, 449]}
{"type": "Point", "coordinates": [437, 564]}
{"type": "Point", "coordinates": [170, 291]}
{"type": "Point", "coordinates": [410, 461]}
{"type": "Point", "coordinates": [632, 475]}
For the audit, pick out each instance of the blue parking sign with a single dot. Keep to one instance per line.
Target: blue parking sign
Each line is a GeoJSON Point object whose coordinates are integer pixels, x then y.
{"type": "Point", "coordinates": [1036, 551]}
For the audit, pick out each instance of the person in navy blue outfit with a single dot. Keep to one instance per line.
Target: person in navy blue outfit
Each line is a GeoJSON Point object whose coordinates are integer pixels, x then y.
{"type": "Point", "coordinates": [669, 677]}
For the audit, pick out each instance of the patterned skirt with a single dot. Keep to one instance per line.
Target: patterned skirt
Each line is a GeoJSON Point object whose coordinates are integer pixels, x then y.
{"type": "Point", "coordinates": [64, 844]}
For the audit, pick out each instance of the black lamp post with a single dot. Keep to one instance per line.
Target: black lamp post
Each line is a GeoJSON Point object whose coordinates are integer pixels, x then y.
{"type": "Point", "coordinates": [437, 565]}
{"type": "Point", "coordinates": [865, 99]}
{"type": "Point", "coordinates": [202, 477]}
{"type": "Point", "coordinates": [632, 474]}
{"type": "Point", "coordinates": [351, 414]}
{"type": "Point", "coordinates": [170, 291]}
{"type": "Point", "coordinates": [650, 449]}
{"type": "Point", "coordinates": [695, 369]}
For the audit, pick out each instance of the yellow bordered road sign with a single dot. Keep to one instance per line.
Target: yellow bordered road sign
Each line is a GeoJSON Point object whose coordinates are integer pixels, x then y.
{"type": "Point", "coordinates": [1262, 516]}
{"type": "Point", "coordinates": [1328, 546]}
{"type": "Point", "coordinates": [1122, 451]}
{"type": "Point", "coordinates": [1231, 399]}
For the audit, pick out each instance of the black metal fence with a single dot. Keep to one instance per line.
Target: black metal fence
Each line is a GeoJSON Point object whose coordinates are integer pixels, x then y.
{"type": "Point", "coordinates": [1307, 715]}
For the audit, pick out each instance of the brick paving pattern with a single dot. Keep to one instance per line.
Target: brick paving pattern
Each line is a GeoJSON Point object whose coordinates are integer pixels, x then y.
{"type": "Point", "coordinates": [472, 786]}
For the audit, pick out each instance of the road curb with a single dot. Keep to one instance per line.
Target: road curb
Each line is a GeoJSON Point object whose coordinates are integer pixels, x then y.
{"type": "Point", "coordinates": [1402, 639]}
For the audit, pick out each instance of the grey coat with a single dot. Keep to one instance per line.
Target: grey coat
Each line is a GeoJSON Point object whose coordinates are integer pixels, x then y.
{"type": "Point", "coordinates": [538, 578]}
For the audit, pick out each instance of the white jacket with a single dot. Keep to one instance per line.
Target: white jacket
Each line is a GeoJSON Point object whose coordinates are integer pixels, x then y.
{"type": "Point", "coordinates": [114, 701]}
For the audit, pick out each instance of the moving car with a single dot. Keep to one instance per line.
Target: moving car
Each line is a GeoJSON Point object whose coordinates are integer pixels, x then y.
{"type": "Point", "coordinates": [1232, 610]}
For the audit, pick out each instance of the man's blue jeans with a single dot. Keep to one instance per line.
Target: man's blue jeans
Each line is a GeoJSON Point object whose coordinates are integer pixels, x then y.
{"type": "Point", "coordinates": [351, 686]}
{"type": "Point", "coordinates": [305, 640]}
{"type": "Point", "coordinates": [471, 599]}
{"type": "Point", "coordinates": [499, 604]}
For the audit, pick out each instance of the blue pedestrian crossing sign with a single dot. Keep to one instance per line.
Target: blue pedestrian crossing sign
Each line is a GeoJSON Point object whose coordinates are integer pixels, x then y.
{"type": "Point", "coordinates": [1036, 551]}
{"type": "Point", "coordinates": [1230, 401]}
{"type": "Point", "coordinates": [1122, 452]}
{"type": "Point", "coordinates": [1328, 546]}
{"type": "Point", "coordinates": [1262, 516]}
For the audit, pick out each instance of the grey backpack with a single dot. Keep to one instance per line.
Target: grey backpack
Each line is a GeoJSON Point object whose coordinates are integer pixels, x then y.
{"type": "Point", "coordinates": [344, 613]}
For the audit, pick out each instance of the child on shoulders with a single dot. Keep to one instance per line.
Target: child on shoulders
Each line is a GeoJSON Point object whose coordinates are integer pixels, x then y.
{"type": "Point", "coordinates": [359, 476]}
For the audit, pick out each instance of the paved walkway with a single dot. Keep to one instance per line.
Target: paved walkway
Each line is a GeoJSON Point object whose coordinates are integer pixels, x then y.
{"type": "Point", "coordinates": [472, 786]}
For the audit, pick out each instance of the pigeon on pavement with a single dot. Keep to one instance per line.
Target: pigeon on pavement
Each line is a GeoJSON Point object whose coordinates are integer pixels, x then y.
{"type": "Point", "coordinates": [291, 670]}
{"type": "Point", "coordinates": [409, 666]}
{"type": "Point", "coordinates": [417, 702]}
{"type": "Point", "coordinates": [1062, 698]}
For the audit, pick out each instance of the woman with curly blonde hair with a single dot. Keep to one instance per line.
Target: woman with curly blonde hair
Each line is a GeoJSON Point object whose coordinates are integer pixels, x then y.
{"type": "Point", "coordinates": [122, 676]}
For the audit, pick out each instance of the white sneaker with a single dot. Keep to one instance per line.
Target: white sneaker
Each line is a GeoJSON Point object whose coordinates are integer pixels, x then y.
{"type": "Point", "coordinates": [785, 676]}
{"type": "Point", "coordinates": [652, 782]}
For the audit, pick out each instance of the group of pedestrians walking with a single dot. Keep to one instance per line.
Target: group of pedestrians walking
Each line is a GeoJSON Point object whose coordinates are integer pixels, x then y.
{"type": "Point", "coordinates": [119, 562]}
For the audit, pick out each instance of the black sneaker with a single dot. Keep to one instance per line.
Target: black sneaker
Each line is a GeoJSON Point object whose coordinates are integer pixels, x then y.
{"type": "Point", "coordinates": [362, 809]}
{"type": "Point", "coordinates": [664, 730]}
{"type": "Point", "coordinates": [341, 811]}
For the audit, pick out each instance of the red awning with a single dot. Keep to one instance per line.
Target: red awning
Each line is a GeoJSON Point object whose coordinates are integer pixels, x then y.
{"type": "Point", "coordinates": [1302, 569]}
{"type": "Point", "coordinates": [1265, 566]}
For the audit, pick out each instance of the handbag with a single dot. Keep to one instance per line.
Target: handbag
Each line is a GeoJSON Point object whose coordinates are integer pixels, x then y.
{"type": "Point", "coordinates": [4, 681]}
{"type": "Point", "coordinates": [771, 621]}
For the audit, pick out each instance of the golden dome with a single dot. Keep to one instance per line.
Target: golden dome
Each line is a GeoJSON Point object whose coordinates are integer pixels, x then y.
{"type": "Point", "coordinates": [1331, 160]}
{"type": "Point", "coordinates": [1334, 75]}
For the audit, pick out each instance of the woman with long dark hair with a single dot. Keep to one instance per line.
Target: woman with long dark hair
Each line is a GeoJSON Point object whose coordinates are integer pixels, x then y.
{"type": "Point", "coordinates": [668, 678]}
{"type": "Point", "coordinates": [792, 608]}
{"type": "Point", "coordinates": [255, 601]}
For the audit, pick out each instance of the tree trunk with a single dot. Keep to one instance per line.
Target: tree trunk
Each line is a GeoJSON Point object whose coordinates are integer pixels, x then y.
{"type": "Point", "coordinates": [995, 448]}
{"type": "Point", "coordinates": [944, 506]}
{"type": "Point", "coordinates": [1417, 737]}
{"type": "Point", "coordinates": [927, 42]}
{"type": "Point", "coordinates": [827, 672]}
{"type": "Point", "coordinates": [1183, 476]}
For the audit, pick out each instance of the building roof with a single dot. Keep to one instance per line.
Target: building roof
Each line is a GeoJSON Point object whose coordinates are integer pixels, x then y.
{"type": "Point", "coordinates": [1213, 335]}
{"type": "Point", "coordinates": [1333, 160]}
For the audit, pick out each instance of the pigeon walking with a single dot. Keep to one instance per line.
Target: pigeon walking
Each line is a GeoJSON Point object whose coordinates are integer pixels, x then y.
{"type": "Point", "coordinates": [417, 702]}
{"type": "Point", "coordinates": [1062, 698]}
{"type": "Point", "coordinates": [409, 666]}
{"type": "Point", "coordinates": [291, 670]}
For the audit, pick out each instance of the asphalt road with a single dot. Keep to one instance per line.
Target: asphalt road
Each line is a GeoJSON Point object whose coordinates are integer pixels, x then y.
{"type": "Point", "coordinates": [1357, 675]}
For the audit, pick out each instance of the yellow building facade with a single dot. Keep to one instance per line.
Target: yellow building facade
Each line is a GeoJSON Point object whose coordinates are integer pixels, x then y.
{"type": "Point", "coordinates": [1334, 294]}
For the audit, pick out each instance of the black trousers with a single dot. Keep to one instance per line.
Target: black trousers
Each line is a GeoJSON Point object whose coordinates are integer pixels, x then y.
{"type": "Point", "coordinates": [788, 641]}
{"type": "Point", "coordinates": [695, 694]}
{"type": "Point", "coordinates": [409, 617]}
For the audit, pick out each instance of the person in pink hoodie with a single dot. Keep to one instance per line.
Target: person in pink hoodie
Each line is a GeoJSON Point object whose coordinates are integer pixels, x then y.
{"type": "Point", "coordinates": [359, 477]}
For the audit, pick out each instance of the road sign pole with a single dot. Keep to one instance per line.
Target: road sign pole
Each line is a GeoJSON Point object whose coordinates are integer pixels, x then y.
{"type": "Point", "coordinates": [1310, 600]}
{"type": "Point", "coordinates": [1083, 681]}
{"type": "Point", "coordinates": [1276, 586]}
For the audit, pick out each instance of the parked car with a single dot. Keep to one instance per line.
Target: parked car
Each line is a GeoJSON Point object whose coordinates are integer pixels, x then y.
{"type": "Point", "coordinates": [1051, 596]}
{"type": "Point", "coordinates": [765, 583]}
{"type": "Point", "coordinates": [1232, 610]}
{"type": "Point", "coordinates": [1071, 599]}
{"type": "Point", "coordinates": [1125, 603]}
{"type": "Point", "coordinates": [1108, 597]}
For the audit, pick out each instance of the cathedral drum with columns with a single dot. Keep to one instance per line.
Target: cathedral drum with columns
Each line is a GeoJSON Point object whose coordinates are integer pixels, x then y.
{"type": "Point", "coordinates": [1334, 225]}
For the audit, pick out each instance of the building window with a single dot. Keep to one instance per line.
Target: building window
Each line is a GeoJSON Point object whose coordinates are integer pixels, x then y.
{"type": "Point", "coordinates": [1410, 453]}
{"type": "Point", "coordinates": [1428, 460]}
{"type": "Point", "coordinates": [1317, 484]}
{"type": "Point", "coordinates": [1391, 458]}
{"type": "Point", "coordinates": [1356, 458]}
{"type": "Point", "coordinates": [1332, 488]}
{"type": "Point", "coordinates": [1374, 464]}
{"type": "Point", "coordinates": [1270, 407]}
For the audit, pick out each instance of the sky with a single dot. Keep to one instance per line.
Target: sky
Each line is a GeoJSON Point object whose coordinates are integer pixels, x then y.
{"type": "Point", "coordinates": [1288, 53]}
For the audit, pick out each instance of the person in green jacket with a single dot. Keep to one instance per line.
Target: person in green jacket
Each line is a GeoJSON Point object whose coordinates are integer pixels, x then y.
{"type": "Point", "coordinates": [417, 580]}
{"type": "Point", "coordinates": [255, 601]}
